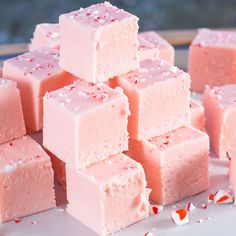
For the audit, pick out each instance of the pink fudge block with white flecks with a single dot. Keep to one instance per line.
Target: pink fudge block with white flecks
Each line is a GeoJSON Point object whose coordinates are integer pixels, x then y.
{"type": "Point", "coordinates": [36, 73]}
{"type": "Point", "coordinates": [108, 196]}
{"type": "Point", "coordinates": [45, 35]}
{"type": "Point", "coordinates": [175, 164]}
{"type": "Point", "coordinates": [147, 50]}
{"type": "Point", "coordinates": [166, 50]}
{"type": "Point", "coordinates": [104, 42]}
{"type": "Point", "coordinates": [159, 98]}
{"type": "Point", "coordinates": [197, 115]}
{"type": "Point", "coordinates": [212, 59]}
{"type": "Point", "coordinates": [26, 177]}
{"type": "Point", "coordinates": [220, 111]}
{"type": "Point", "coordinates": [11, 115]}
{"type": "Point", "coordinates": [91, 123]}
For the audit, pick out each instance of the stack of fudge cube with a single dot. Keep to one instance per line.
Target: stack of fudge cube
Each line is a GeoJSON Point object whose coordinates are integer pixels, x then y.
{"type": "Point", "coordinates": [90, 131]}
{"type": "Point", "coordinates": [26, 175]}
{"type": "Point", "coordinates": [212, 68]}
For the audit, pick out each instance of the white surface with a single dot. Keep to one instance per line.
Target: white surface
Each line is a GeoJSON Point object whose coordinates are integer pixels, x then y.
{"type": "Point", "coordinates": [58, 223]}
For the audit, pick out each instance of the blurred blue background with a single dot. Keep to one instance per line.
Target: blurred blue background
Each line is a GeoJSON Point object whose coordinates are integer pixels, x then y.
{"type": "Point", "coordinates": [19, 17]}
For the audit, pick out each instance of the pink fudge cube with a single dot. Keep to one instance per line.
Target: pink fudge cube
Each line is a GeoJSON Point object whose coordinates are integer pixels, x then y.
{"type": "Point", "coordinates": [45, 35]}
{"type": "Point", "coordinates": [104, 42]}
{"type": "Point", "coordinates": [147, 50]}
{"type": "Point", "coordinates": [175, 164]}
{"type": "Point", "coordinates": [11, 116]}
{"type": "Point", "coordinates": [220, 111]}
{"type": "Point", "coordinates": [166, 50]}
{"type": "Point", "coordinates": [26, 178]}
{"type": "Point", "coordinates": [197, 115]}
{"type": "Point", "coordinates": [212, 59]}
{"type": "Point", "coordinates": [108, 196]}
{"type": "Point", "coordinates": [90, 125]}
{"type": "Point", "coordinates": [159, 98]}
{"type": "Point", "coordinates": [36, 73]}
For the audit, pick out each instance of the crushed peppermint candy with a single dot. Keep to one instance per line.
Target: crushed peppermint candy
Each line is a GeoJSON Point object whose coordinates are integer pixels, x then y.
{"type": "Point", "coordinates": [17, 221]}
{"type": "Point", "coordinates": [223, 197]}
{"type": "Point", "coordinates": [155, 209]}
{"type": "Point", "coordinates": [148, 234]}
{"type": "Point", "coordinates": [190, 207]}
{"type": "Point", "coordinates": [33, 222]}
{"type": "Point", "coordinates": [180, 217]}
{"type": "Point", "coordinates": [204, 206]}
{"type": "Point", "coordinates": [211, 197]}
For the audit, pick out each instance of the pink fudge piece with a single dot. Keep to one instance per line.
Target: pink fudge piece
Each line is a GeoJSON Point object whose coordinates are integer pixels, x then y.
{"type": "Point", "coordinates": [166, 50]}
{"type": "Point", "coordinates": [159, 98]}
{"type": "Point", "coordinates": [147, 50]}
{"type": "Point", "coordinates": [212, 59]}
{"type": "Point", "coordinates": [104, 42]}
{"type": "Point", "coordinates": [26, 178]}
{"type": "Point", "coordinates": [91, 123]}
{"type": "Point", "coordinates": [220, 111]}
{"type": "Point", "coordinates": [11, 116]}
{"type": "Point", "coordinates": [45, 35]}
{"type": "Point", "coordinates": [197, 115]}
{"type": "Point", "coordinates": [36, 73]}
{"type": "Point", "coordinates": [59, 168]}
{"type": "Point", "coordinates": [108, 196]}
{"type": "Point", "coordinates": [175, 164]}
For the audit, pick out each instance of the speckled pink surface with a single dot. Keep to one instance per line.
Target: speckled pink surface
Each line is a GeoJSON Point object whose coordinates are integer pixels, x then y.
{"type": "Point", "coordinates": [12, 124]}
{"type": "Point", "coordinates": [45, 35]}
{"type": "Point", "coordinates": [232, 167]}
{"type": "Point", "coordinates": [197, 115]}
{"type": "Point", "coordinates": [147, 50]}
{"type": "Point", "coordinates": [104, 42]}
{"type": "Point", "coordinates": [166, 50]}
{"type": "Point", "coordinates": [36, 73]}
{"type": "Point", "coordinates": [91, 123]}
{"type": "Point", "coordinates": [108, 196]}
{"type": "Point", "coordinates": [220, 110]}
{"type": "Point", "coordinates": [175, 164]}
{"type": "Point", "coordinates": [26, 179]}
{"type": "Point", "coordinates": [159, 98]}
{"type": "Point", "coordinates": [212, 59]}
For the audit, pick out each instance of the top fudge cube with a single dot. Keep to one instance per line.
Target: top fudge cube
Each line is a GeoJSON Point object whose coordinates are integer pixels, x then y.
{"type": "Point", "coordinates": [166, 50]}
{"type": "Point", "coordinates": [220, 111]}
{"type": "Point", "coordinates": [159, 99]}
{"type": "Point", "coordinates": [11, 116]}
{"type": "Point", "coordinates": [85, 123]}
{"type": "Point", "coordinates": [104, 42]}
{"type": "Point", "coordinates": [45, 35]}
{"type": "Point", "coordinates": [36, 73]}
{"type": "Point", "coordinates": [212, 59]}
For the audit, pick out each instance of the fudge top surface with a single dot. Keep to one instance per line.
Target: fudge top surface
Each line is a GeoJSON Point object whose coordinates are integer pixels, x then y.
{"type": "Point", "coordinates": [81, 96]}
{"type": "Point", "coordinates": [20, 152]}
{"type": "Point", "coordinates": [38, 64]}
{"type": "Point", "coordinates": [7, 82]}
{"type": "Point", "coordinates": [176, 137]}
{"type": "Point", "coordinates": [151, 72]}
{"type": "Point", "coordinates": [51, 30]}
{"type": "Point", "coordinates": [98, 15]}
{"type": "Point", "coordinates": [215, 38]}
{"type": "Point", "coordinates": [116, 169]}
{"type": "Point", "coordinates": [154, 38]}
{"type": "Point", "coordinates": [225, 95]}
{"type": "Point", "coordinates": [145, 44]}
